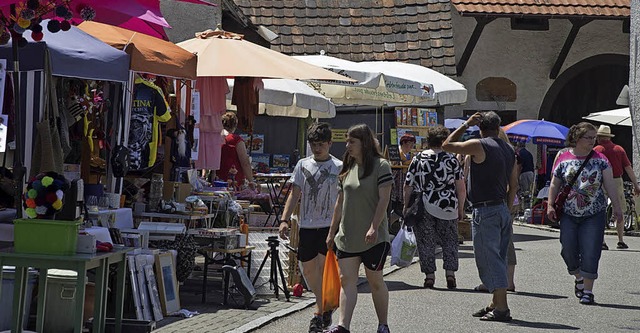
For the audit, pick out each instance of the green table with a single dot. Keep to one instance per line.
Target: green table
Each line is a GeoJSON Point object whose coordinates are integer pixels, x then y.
{"type": "Point", "coordinates": [79, 263]}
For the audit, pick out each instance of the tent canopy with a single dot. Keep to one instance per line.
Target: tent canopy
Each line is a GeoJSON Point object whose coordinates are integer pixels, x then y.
{"type": "Point", "coordinates": [74, 53]}
{"type": "Point", "coordinates": [148, 54]}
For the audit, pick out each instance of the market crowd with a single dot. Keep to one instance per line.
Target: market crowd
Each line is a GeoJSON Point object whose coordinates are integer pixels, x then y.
{"type": "Point", "coordinates": [343, 209]}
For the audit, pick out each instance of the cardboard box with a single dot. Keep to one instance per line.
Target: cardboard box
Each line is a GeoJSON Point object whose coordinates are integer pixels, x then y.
{"type": "Point", "coordinates": [183, 191]}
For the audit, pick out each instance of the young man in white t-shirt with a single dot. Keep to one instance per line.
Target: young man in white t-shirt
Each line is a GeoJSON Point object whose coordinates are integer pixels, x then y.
{"type": "Point", "coordinates": [315, 182]}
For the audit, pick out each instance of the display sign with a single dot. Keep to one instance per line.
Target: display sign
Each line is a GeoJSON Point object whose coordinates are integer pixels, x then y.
{"type": "Point", "coordinates": [339, 135]}
{"type": "Point", "coordinates": [394, 153]}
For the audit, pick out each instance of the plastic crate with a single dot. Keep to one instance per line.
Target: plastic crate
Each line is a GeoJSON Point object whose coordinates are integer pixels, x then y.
{"type": "Point", "coordinates": [45, 236]}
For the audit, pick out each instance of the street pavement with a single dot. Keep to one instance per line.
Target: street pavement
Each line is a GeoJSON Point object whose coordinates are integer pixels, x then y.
{"type": "Point", "coordinates": [543, 300]}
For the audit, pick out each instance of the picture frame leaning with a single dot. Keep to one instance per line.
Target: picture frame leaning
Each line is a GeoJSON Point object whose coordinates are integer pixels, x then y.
{"type": "Point", "coordinates": [167, 283]}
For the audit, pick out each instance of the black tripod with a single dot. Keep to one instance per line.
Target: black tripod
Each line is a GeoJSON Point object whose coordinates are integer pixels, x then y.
{"type": "Point", "coordinates": [276, 268]}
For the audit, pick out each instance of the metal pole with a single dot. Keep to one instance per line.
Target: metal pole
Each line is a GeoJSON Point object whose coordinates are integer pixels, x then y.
{"type": "Point", "coordinates": [18, 167]}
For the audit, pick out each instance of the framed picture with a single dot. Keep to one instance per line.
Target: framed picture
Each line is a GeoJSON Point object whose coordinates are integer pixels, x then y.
{"type": "Point", "coordinates": [133, 278]}
{"type": "Point", "coordinates": [154, 295]}
{"type": "Point", "coordinates": [281, 161]}
{"type": "Point", "coordinates": [167, 283]}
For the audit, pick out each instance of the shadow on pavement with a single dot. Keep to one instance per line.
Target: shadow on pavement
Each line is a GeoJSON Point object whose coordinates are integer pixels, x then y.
{"type": "Point", "coordinates": [538, 295]}
{"type": "Point", "coordinates": [538, 325]}
{"type": "Point", "coordinates": [392, 286]}
{"type": "Point", "coordinates": [618, 306]}
{"type": "Point", "coordinates": [530, 238]}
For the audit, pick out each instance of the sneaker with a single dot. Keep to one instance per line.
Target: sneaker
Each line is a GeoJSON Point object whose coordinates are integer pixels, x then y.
{"type": "Point", "coordinates": [604, 246]}
{"type": "Point", "coordinates": [337, 329]}
{"type": "Point", "coordinates": [622, 245]}
{"type": "Point", "coordinates": [383, 328]}
{"type": "Point", "coordinates": [326, 319]}
{"type": "Point", "coordinates": [315, 325]}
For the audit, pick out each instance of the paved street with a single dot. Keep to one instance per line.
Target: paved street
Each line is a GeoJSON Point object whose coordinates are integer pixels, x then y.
{"type": "Point", "coordinates": [543, 299]}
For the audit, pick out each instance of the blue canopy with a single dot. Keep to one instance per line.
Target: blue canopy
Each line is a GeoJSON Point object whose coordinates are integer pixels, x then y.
{"type": "Point", "coordinates": [74, 53]}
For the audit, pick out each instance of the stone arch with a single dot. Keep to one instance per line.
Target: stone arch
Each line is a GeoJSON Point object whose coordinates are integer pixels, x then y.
{"type": "Point", "coordinates": [590, 85]}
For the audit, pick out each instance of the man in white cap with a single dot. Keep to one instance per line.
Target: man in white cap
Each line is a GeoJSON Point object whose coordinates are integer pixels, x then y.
{"type": "Point", "coordinates": [619, 164]}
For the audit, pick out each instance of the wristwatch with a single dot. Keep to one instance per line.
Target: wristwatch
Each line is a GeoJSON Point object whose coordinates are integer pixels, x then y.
{"type": "Point", "coordinates": [466, 126]}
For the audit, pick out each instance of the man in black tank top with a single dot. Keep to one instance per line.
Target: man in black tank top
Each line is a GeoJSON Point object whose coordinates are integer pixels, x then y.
{"type": "Point", "coordinates": [493, 182]}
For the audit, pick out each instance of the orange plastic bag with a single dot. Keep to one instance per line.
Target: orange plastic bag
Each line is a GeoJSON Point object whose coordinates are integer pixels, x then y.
{"type": "Point", "coordinates": [330, 283]}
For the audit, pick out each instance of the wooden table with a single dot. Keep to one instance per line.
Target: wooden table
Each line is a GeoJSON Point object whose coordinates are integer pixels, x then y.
{"type": "Point", "coordinates": [79, 263]}
{"type": "Point", "coordinates": [243, 254]}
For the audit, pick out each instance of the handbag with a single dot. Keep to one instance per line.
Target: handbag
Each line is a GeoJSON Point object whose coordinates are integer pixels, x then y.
{"type": "Point", "coordinates": [416, 209]}
{"type": "Point", "coordinates": [558, 203]}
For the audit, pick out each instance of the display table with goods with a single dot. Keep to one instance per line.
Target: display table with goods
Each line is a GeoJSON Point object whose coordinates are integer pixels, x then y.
{"type": "Point", "coordinates": [75, 262]}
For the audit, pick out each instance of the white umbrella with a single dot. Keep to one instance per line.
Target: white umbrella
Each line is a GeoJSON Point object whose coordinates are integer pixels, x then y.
{"type": "Point", "coordinates": [620, 117]}
{"type": "Point", "coordinates": [390, 83]}
{"type": "Point", "coordinates": [290, 98]}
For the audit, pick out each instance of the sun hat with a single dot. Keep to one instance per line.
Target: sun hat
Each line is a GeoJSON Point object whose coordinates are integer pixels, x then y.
{"type": "Point", "coordinates": [407, 138]}
{"type": "Point", "coordinates": [604, 130]}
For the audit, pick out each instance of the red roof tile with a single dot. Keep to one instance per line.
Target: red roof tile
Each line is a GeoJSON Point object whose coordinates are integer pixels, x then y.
{"type": "Point", "coordinates": [415, 31]}
{"type": "Point", "coordinates": [547, 8]}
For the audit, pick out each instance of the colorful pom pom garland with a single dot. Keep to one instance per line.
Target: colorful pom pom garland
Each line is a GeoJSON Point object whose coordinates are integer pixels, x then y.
{"type": "Point", "coordinates": [44, 194]}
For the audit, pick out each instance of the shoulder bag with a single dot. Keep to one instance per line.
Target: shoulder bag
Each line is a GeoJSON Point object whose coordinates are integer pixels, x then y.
{"type": "Point", "coordinates": [558, 204]}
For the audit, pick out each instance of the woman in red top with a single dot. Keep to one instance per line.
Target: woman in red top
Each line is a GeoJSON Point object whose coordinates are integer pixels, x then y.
{"type": "Point", "coordinates": [234, 153]}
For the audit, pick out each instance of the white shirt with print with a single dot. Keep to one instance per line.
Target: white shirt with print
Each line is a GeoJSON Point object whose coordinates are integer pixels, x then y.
{"type": "Point", "coordinates": [318, 182]}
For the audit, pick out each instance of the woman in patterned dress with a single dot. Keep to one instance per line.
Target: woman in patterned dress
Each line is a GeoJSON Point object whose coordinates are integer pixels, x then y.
{"type": "Point", "coordinates": [438, 176]}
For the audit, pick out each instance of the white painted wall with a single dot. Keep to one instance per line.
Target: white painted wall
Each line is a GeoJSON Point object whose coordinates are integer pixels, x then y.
{"type": "Point", "coordinates": [526, 57]}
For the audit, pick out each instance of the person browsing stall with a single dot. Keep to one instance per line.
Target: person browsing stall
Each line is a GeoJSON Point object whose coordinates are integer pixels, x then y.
{"type": "Point", "coordinates": [234, 154]}
{"type": "Point", "coordinates": [359, 227]}
{"type": "Point", "coordinates": [493, 182]}
{"type": "Point", "coordinates": [315, 185]}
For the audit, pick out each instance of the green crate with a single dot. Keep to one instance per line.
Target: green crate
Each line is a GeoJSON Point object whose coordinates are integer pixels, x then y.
{"type": "Point", "coordinates": [45, 236]}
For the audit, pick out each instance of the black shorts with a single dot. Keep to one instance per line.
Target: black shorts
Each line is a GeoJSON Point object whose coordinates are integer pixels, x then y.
{"type": "Point", "coordinates": [311, 243]}
{"type": "Point", "coordinates": [373, 258]}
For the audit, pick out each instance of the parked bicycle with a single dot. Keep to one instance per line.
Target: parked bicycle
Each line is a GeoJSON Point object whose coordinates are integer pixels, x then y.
{"type": "Point", "coordinates": [630, 217]}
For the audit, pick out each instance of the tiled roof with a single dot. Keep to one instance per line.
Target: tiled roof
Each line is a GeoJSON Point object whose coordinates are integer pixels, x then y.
{"type": "Point", "coordinates": [562, 8]}
{"type": "Point", "coordinates": [414, 31]}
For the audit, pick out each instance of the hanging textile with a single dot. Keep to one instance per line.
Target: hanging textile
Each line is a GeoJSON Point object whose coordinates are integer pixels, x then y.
{"type": "Point", "coordinates": [246, 96]}
{"type": "Point", "coordinates": [213, 91]}
{"type": "Point", "coordinates": [149, 108]}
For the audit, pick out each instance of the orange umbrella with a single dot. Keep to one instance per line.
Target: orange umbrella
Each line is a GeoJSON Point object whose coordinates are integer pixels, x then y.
{"type": "Point", "coordinates": [148, 54]}
{"type": "Point", "coordinates": [227, 54]}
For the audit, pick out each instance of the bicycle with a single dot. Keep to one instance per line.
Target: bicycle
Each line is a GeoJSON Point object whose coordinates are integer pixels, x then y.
{"type": "Point", "coordinates": [629, 216]}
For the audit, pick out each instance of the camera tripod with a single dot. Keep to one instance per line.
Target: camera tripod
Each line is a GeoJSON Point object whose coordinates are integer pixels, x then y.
{"type": "Point", "coordinates": [276, 268]}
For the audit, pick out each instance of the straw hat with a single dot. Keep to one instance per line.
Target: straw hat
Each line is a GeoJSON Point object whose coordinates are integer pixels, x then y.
{"type": "Point", "coordinates": [605, 130]}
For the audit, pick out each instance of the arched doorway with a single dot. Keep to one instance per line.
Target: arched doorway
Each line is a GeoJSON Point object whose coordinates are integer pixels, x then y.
{"type": "Point", "coordinates": [591, 85]}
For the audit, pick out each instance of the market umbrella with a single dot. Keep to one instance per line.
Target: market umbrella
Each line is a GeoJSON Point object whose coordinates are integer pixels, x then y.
{"type": "Point", "coordinates": [290, 98]}
{"type": "Point", "coordinates": [226, 54]}
{"type": "Point", "coordinates": [537, 131]}
{"type": "Point", "coordinates": [148, 54]}
{"type": "Point", "coordinates": [390, 83]}
{"type": "Point", "coordinates": [620, 117]}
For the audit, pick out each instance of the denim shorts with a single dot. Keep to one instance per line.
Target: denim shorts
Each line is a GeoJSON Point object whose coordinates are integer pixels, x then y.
{"type": "Point", "coordinates": [581, 239]}
{"type": "Point", "coordinates": [491, 231]}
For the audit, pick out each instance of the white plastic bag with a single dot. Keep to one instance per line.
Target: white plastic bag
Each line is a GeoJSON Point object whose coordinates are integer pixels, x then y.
{"type": "Point", "coordinates": [403, 247]}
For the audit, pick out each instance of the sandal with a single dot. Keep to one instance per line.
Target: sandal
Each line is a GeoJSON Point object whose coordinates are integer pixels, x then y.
{"type": "Point", "coordinates": [587, 299]}
{"type": "Point", "coordinates": [451, 282]}
{"type": "Point", "coordinates": [577, 291]}
{"type": "Point", "coordinates": [482, 312]}
{"type": "Point", "coordinates": [497, 315]}
{"type": "Point", "coordinates": [481, 288]}
{"type": "Point", "coordinates": [429, 282]}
